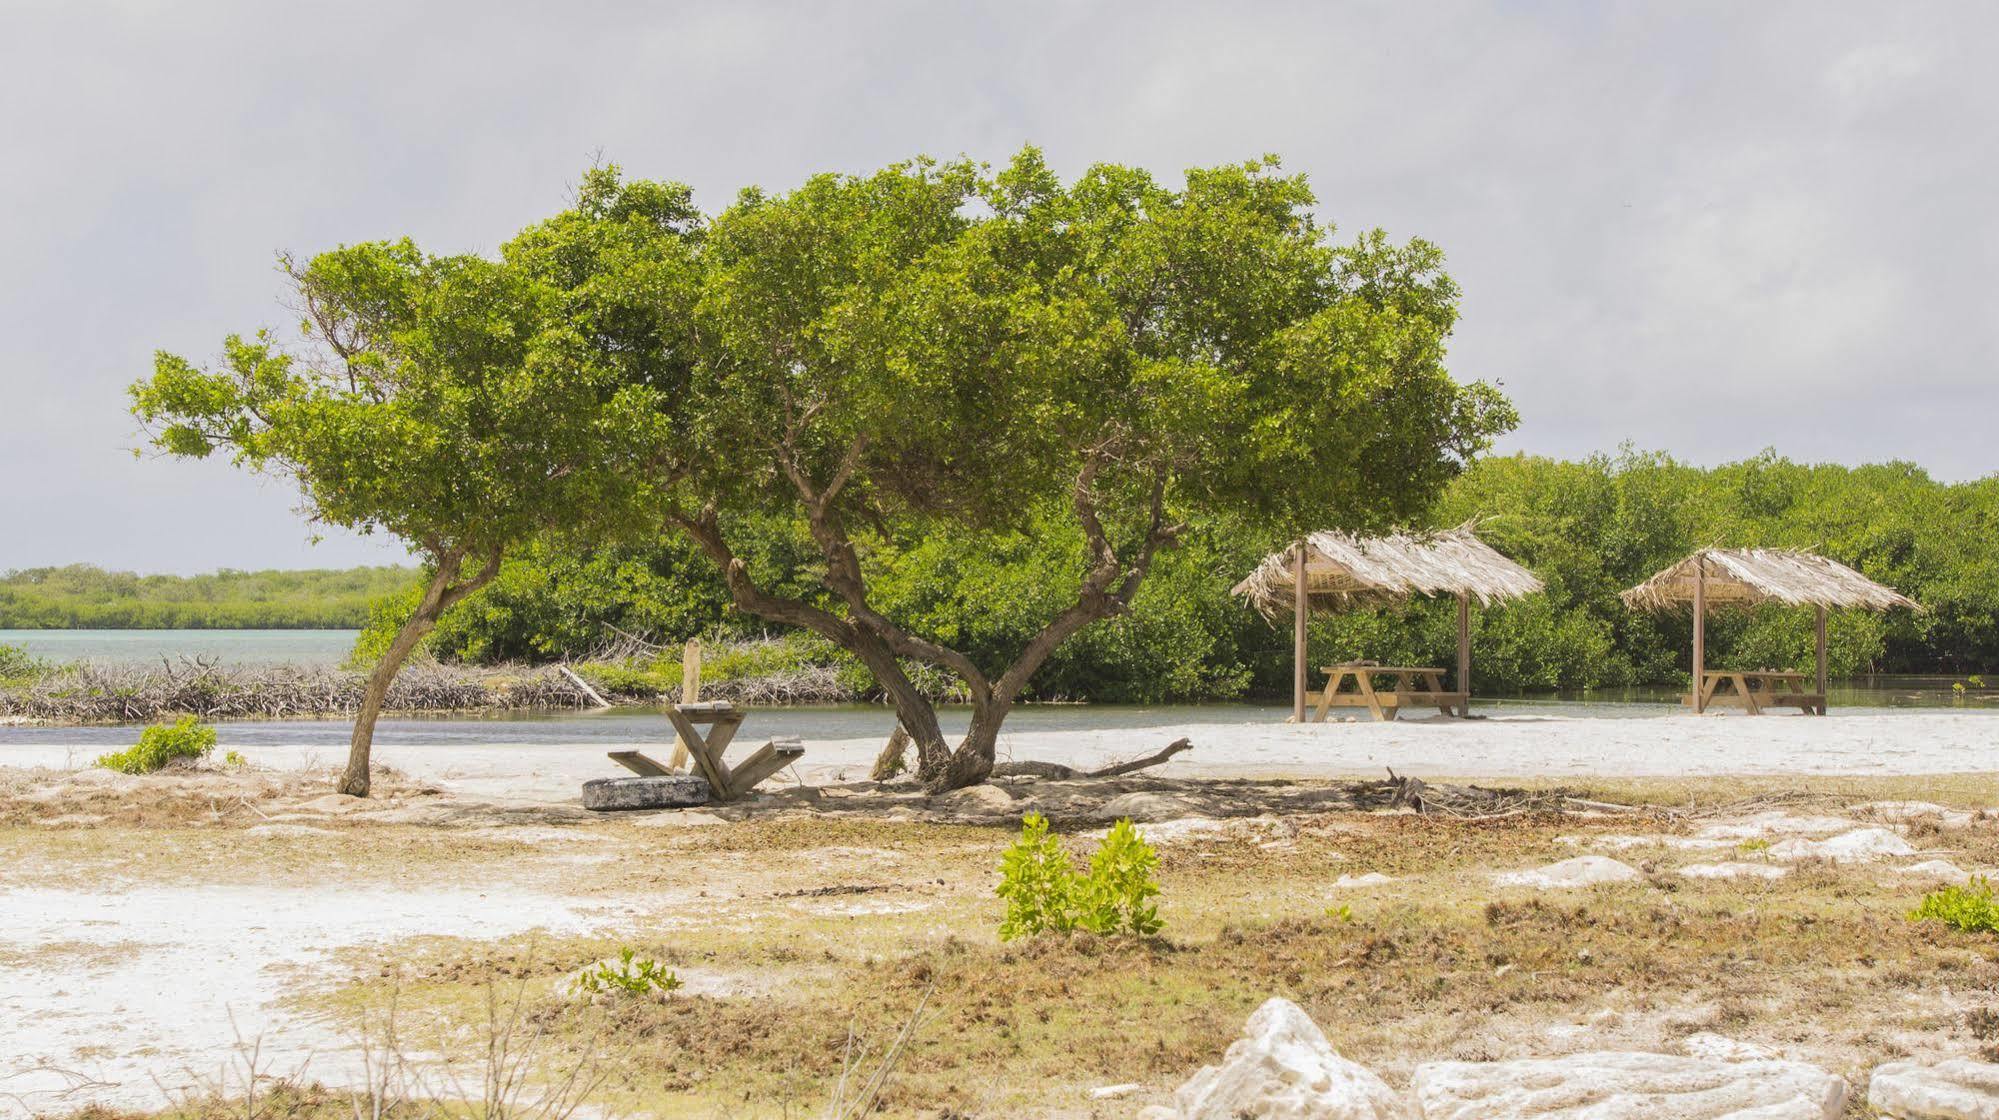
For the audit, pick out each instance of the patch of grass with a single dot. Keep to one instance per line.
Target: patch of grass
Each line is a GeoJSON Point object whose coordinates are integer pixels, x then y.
{"type": "Point", "coordinates": [161, 745]}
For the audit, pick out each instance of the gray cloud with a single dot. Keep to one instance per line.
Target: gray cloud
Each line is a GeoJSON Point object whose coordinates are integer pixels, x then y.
{"type": "Point", "coordinates": [1701, 228]}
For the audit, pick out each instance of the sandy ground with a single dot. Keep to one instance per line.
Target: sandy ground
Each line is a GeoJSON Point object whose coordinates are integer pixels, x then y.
{"type": "Point", "coordinates": [1507, 747]}
{"type": "Point", "coordinates": [119, 987]}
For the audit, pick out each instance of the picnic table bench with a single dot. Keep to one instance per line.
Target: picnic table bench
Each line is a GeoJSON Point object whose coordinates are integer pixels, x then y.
{"type": "Point", "coordinates": [1415, 686]}
{"type": "Point", "coordinates": [723, 719]}
{"type": "Point", "coordinates": [1753, 690]}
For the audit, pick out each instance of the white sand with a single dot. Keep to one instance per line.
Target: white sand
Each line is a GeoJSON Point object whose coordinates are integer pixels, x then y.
{"type": "Point", "coordinates": [1877, 742]}
{"type": "Point", "coordinates": [146, 991]}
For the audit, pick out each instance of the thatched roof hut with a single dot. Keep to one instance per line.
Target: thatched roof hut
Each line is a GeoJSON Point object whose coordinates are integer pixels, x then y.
{"type": "Point", "coordinates": [1339, 571]}
{"type": "Point", "coordinates": [1343, 572]}
{"type": "Point", "coordinates": [1750, 577]}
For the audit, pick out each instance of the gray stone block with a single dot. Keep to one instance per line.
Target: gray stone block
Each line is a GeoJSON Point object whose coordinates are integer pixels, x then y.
{"type": "Point", "coordinates": [672, 791]}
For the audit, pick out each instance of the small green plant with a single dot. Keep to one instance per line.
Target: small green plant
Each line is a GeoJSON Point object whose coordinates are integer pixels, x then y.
{"type": "Point", "coordinates": [1116, 896]}
{"type": "Point", "coordinates": [234, 759]}
{"type": "Point", "coordinates": [1045, 894]}
{"type": "Point", "coordinates": [631, 976]}
{"type": "Point", "coordinates": [1969, 908]}
{"type": "Point", "coordinates": [161, 744]}
{"type": "Point", "coordinates": [1750, 847]}
{"type": "Point", "coordinates": [1038, 883]}
{"type": "Point", "coordinates": [1340, 913]}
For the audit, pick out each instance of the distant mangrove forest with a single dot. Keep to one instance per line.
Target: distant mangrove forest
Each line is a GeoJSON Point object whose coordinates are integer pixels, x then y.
{"type": "Point", "coordinates": [1590, 528]}
{"type": "Point", "coordinates": [85, 597]}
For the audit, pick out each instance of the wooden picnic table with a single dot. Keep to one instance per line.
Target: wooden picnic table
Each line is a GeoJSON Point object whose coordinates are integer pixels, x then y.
{"type": "Point", "coordinates": [728, 783]}
{"type": "Point", "coordinates": [1415, 686]}
{"type": "Point", "coordinates": [1753, 690]}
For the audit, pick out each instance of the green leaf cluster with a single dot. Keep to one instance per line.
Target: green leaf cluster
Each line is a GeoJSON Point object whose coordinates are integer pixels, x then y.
{"type": "Point", "coordinates": [186, 739]}
{"type": "Point", "coordinates": [1969, 908]}
{"type": "Point", "coordinates": [1045, 894]}
{"type": "Point", "coordinates": [632, 975]}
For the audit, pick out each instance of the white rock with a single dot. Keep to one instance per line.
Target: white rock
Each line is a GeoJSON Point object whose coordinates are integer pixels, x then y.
{"type": "Point", "coordinates": [1858, 846]}
{"type": "Point", "coordinates": [1113, 1092]}
{"type": "Point", "coordinates": [1953, 1089]}
{"type": "Point", "coordinates": [332, 803]}
{"type": "Point", "coordinates": [283, 829]}
{"type": "Point", "coordinates": [1582, 871]}
{"type": "Point", "coordinates": [1734, 871]}
{"type": "Point", "coordinates": [1284, 1069]}
{"type": "Point", "coordinates": [1936, 869]}
{"type": "Point", "coordinates": [1626, 1086]}
{"type": "Point", "coordinates": [1370, 879]}
{"type": "Point", "coordinates": [984, 797]}
{"type": "Point", "coordinates": [1901, 811]}
{"type": "Point", "coordinates": [1773, 824]}
{"type": "Point", "coordinates": [1143, 807]}
{"type": "Point", "coordinates": [1721, 1048]}
{"type": "Point", "coordinates": [1265, 830]}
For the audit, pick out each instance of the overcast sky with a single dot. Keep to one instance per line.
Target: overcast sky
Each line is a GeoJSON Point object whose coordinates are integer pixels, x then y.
{"type": "Point", "coordinates": [1701, 228]}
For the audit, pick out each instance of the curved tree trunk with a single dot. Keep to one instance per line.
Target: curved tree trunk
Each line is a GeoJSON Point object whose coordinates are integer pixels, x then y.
{"type": "Point", "coordinates": [438, 597]}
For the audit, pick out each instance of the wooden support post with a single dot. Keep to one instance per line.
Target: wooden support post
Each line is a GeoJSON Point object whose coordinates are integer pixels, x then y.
{"type": "Point", "coordinates": [690, 693]}
{"type": "Point", "coordinates": [1298, 654]}
{"type": "Point", "coordinates": [1819, 641]}
{"type": "Point", "coordinates": [1700, 631]}
{"type": "Point", "coordinates": [1464, 650]}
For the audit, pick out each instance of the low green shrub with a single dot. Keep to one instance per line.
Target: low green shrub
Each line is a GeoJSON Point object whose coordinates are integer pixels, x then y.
{"type": "Point", "coordinates": [1045, 894]}
{"type": "Point", "coordinates": [18, 665]}
{"type": "Point", "coordinates": [1969, 907]}
{"type": "Point", "coordinates": [161, 744]}
{"type": "Point", "coordinates": [631, 976]}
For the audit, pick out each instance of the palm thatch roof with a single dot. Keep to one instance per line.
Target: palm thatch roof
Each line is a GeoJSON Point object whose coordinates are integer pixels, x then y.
{"type": "Point", "coordinates": [1344, 571]}
{"type": "Point", "coordinates": [1748, 577]}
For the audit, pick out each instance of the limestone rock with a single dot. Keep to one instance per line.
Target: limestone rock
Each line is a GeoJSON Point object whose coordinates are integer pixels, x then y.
{"type": "Point", "coordinates": [1284, 1069]}
{"type": "Point", "coordinates": [1926, 811]}
{"type": "Point", "coordinates": [1953, 1089]}
{"type": "Point", "coordinates": [986, 797]}
{"type": "Point", "coordinates": [1858, 846]}
{"type": "Point", "coordinates": [1774, 823]}
{"type": "Point", "coordinates": [1936, 869]}
{"type": "Point", "coordinates": [1721, 1048]}
{"type": "Point", "coordinates": [1582, 871]}
{"type": "Point", "coordinates": [1143, 807]}
{"type": "Point", "coordinates": [1626, 1086]}
{"type": "Point", "coordinates": [332, 803]}
{"type": "Point", "coordinates": [1734, 870]}
{"type": "Point", "coordinates": [667, 791]}
{"type": "Point", "coordinates": [1370, 879]}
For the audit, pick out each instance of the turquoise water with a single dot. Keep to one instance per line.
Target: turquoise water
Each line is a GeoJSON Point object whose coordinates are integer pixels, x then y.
{"type": "Point", "coordinates": [234, 647]}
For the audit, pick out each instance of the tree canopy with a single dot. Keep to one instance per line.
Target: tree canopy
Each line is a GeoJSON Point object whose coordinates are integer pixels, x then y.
{"type": "Point", "coordinates": [938, 347]}
{"type": "Point", "coordinates": [447, 401]}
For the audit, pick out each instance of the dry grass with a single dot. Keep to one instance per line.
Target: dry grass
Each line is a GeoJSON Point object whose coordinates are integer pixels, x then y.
{"type": "Point", "coordinates": [797, 934]}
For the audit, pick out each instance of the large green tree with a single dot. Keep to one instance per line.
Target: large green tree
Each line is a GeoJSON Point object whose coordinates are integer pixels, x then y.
{"type": "Point", "coordinates": [457, 403]}
{"type": "Point", "coordinates": [937, 349]}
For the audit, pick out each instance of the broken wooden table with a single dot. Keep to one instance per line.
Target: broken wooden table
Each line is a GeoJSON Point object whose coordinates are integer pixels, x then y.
{"type": "Point", "coordinates": [723, 718]}
{"type": "Point", "coordinates": [1415, 686]}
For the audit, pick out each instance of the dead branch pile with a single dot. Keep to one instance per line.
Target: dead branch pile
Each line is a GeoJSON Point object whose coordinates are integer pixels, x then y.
{"type": "Point", "coordinates": [89, 692]}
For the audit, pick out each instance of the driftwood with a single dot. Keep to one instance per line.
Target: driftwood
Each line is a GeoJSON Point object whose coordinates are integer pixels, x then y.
{"type": "Point", "coordinates": [579, 682]}
{"type": "Point", "coordinates": [891, 761]}
{"type": "Point", "coordinates": [1059, 772]}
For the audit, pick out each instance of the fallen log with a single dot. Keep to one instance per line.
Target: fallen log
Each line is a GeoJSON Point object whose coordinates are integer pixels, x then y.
{"type": "Point", "coordinates": [1057, 771]}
